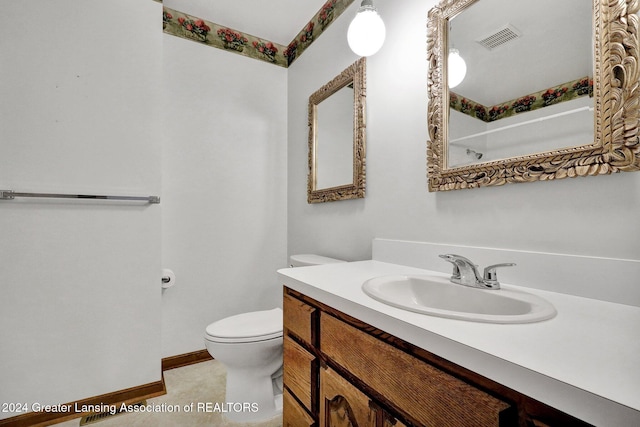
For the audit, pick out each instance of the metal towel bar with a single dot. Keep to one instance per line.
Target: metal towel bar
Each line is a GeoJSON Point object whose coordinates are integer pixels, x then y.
{"type": "Point", "coordinates": [10, 195]}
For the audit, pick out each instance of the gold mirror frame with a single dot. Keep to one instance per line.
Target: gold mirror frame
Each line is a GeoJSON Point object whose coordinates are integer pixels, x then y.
{"type": "Point", "coordinates": [616, 96]}
{"type": "Point", "coordinates": [356, 74]}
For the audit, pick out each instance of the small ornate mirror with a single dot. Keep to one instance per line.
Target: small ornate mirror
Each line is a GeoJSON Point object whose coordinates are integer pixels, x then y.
{"type": "Point", "coordinates": [544, 90]}
{"type": "Point", "coordinates": [337, 137]}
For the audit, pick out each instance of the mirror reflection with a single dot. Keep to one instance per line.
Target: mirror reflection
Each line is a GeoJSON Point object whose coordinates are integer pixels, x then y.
{"type": "Point", "coordinates": [337, 137]}
{"type": "Point", "coordinates": [528, 85]}
{"type": "Point", "coordinates": [559, 101]}
{"type": "Point", "coordinates": [334, 139]}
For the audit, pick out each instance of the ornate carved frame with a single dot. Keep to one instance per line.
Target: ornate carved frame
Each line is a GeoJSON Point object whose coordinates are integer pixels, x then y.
{"type": "Point", "coordinates": [616, 96]}
{"type": "Point", "coordinates": [356, 74]}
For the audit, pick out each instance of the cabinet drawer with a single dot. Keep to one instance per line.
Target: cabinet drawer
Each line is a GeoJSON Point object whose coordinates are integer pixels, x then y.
{"type": "Point", "coordinates": [298, 364]}
{"type": "Point", "coordinates": [429, 395]}
{"type": "Point", "coordinates": [292, 413]}
{"type": "Point", "coordinates": [298, 317]}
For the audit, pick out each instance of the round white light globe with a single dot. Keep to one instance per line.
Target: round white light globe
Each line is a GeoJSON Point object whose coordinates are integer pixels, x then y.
{"type": "Point", "coordinates": [457, 68]}
{"type": "Point", "coordinates": [366, 33]}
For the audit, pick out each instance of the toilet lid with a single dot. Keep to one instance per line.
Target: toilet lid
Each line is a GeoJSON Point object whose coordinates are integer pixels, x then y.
{"type": "Point", "coordinates": [248, 327]}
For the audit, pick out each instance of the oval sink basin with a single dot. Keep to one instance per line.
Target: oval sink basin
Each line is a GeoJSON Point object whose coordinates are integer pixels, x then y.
{"type": "Point", "coordinates": [437, 296]}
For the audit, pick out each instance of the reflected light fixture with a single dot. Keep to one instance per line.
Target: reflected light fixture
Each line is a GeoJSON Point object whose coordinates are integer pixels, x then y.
{"type": "Point", "coordinates": [366, 32]}
{"type": "Point", "coordinates": [457, 68]}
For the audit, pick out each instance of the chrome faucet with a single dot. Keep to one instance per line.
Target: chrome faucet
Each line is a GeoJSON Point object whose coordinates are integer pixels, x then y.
{"type": "Point", "coordinates": [465, 272]}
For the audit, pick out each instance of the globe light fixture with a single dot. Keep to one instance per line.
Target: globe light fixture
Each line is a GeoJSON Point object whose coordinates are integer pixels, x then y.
{"type": "Point", "coordinates": [366, 32]}
{"type": "Point", "coordinates": [457, 68]}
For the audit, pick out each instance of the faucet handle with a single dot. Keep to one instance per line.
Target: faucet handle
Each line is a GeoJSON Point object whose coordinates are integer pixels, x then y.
{"type": "Point", "coordinates": [490, 274]}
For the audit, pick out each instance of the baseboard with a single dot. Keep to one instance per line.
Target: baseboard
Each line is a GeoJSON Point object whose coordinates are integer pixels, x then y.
{"type": "Point", "coordinates": [127, 396]}
{"type": "Point", "coordinates": [186, 359]}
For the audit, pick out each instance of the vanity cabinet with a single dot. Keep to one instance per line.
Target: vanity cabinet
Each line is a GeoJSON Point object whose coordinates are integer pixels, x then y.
{"type": "Point", "coordinates": [342, 372]}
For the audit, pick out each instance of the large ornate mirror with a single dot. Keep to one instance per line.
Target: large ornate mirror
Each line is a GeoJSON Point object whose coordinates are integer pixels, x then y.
{"type": "Point", "coordinates": [544, 90]}
{"type": "Point", "coordinates": [337, 137]}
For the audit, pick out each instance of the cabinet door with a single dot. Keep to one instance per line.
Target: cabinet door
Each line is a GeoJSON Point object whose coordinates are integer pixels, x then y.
{"type": "Point", "coordinates": [343, 405]}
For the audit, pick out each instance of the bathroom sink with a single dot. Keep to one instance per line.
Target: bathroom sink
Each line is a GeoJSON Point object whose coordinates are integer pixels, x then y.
{"type": "Point", "coordinates": [437, 296]}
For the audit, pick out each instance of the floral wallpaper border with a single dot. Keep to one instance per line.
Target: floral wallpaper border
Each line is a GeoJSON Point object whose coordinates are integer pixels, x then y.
{"type": "Point", "coordinates": [199, 30]}
{"type": "Point", "coordinates": [554, 95]}
{"type": "Point", "coordinates": [329, 12]}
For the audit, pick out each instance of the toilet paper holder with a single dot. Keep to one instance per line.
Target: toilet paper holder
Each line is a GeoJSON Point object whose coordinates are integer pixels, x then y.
{"type": "Point", "coordinates": [168, 278]}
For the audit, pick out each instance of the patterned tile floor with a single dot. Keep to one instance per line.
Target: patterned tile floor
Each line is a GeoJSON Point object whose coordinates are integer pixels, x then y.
{"type": "Point", "coordinates": [202, 383]}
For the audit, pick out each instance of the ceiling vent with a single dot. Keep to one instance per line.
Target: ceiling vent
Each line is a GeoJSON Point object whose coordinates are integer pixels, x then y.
{"type": "Point", "coordinates": [498, 38]}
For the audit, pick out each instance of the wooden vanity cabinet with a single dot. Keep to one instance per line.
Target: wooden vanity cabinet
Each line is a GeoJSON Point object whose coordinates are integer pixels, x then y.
{"type": "Point", "coordinates": [341, 372]}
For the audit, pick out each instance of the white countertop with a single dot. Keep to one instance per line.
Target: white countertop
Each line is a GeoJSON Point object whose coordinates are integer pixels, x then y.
{"type": "Point", "coordinates": [584, 361]}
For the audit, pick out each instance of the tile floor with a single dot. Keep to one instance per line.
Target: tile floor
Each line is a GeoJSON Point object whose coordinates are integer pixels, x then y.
{"type": "Point", "coordinates": [199, 383]}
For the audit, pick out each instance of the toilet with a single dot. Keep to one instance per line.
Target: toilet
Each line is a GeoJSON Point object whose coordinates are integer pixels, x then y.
{"type": "Point", "coordinates": [250, 347]}
{"type": "Point", "coordinates": [311, 259]}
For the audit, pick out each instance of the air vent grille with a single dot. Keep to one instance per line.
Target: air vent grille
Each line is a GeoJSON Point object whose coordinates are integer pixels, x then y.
{"type": "Point", "coordinates": [500, 37]}
{"type": "Point", "coordinates": [94, 418]}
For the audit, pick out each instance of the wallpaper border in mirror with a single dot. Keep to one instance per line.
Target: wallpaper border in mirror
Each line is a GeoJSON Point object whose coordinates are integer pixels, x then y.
{"type": "Point", "coordinates": [543, 98]}
{"type": "Point", "coordinates": [616, 97]}
{"type": "Point", "coordinates": [355, 73]}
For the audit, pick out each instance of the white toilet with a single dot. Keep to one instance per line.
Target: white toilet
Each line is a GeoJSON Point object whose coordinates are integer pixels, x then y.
{"type": "Point", "coordinates": [250, 346]}
{"type": "Point", "coordinates": [311, 259]}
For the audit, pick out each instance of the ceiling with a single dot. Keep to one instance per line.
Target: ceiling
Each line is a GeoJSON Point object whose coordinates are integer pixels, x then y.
{"type": "Point", "coordinates": [278, 21]}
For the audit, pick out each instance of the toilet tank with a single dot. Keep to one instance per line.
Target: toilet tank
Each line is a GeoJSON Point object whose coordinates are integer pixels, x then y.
{"type": "Point", "coordinates": [303, 260]}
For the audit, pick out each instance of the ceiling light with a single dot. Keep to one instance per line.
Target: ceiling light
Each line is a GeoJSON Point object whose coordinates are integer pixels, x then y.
{"type": "Point", "coordinates": [457, 68]}
{"type": "Point", "coordinates": [366, 32]}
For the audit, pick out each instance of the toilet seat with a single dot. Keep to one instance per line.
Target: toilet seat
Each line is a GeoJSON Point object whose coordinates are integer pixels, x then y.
{"type": "Point", "coordinates": [247, 327]}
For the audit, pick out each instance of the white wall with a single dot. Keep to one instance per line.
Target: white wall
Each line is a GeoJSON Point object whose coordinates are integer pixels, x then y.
{"type": "Point", "coordinates": [586, 216]}
{"type": "Point", "coordinates": [80, 304]}
{"type": "Point", "coordinates": [224, 188]}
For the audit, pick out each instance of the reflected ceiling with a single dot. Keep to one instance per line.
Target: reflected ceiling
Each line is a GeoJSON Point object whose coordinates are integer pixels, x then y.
{"type": "Point", "coordinates": [547, 38]}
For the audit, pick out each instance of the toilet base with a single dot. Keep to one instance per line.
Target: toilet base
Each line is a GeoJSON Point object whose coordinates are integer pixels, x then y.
{"type": "Point", "coordinates": [253, 363]}
{"type": "Point", "coordinates": [251, 399]}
